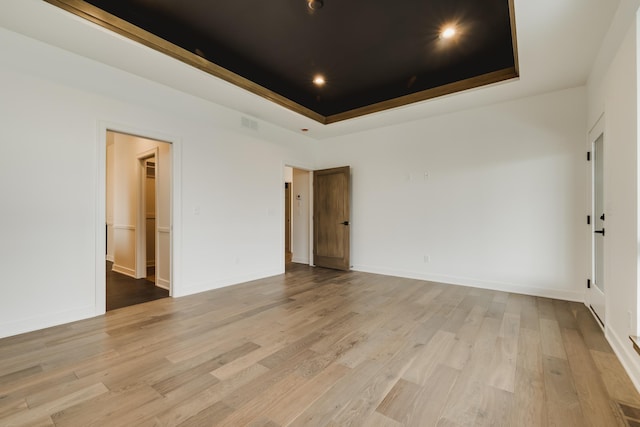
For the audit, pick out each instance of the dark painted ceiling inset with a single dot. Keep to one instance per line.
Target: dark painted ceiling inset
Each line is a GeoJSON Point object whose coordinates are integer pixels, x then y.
{"type": "Point", "coordinates": [374, 54]}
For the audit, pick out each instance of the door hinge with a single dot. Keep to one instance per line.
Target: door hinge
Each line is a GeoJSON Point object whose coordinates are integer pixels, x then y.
{"type": "Point", "coordinates": [588, 219]}
{"type": "Point", "coordinates": [588, 156]}
{"type": "Point", "coordinates": [588, 283]}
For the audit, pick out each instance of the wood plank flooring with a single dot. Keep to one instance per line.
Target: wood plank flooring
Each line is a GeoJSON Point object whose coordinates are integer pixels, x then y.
{"type": "Point", "coordinates": [316, 347]}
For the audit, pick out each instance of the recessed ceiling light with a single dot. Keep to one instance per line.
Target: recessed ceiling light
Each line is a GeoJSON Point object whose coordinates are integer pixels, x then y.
{"type": "Point", "coordinates": [448, 32]}
{"type": "Point", "coordinates": [315, 4]}
{"type": "Point", "coordinates": [319, 80]}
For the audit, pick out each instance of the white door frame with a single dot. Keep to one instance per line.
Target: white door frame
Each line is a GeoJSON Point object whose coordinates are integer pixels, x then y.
{"type": "Point", "coordinates": [101, 196]}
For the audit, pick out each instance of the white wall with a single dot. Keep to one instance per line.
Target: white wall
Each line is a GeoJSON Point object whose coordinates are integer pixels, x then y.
{"type": "Point", "coordinates": [56, 107]}
{"type": "Point", "coordinates": [613, 91]}
{"type": "Point", "coordinates": [491, 197]}
{"type": "Point", "coordinates": [300, 216]}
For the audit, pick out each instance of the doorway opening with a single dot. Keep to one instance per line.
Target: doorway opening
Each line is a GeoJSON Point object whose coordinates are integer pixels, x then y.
{"type": "Point", "coordinates": [297, 217]}
{"type": "Point", "coordinates": [138, 220]}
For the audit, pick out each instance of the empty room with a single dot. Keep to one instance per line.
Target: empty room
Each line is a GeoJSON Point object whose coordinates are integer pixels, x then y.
{"type": "Point", "coordinates": [419, 213]}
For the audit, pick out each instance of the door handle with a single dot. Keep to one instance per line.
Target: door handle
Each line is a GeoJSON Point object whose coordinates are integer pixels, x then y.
{"type": "Point", "coordinates": [599, 231]}
{"type": "Point", "coordinates": [345, 223]}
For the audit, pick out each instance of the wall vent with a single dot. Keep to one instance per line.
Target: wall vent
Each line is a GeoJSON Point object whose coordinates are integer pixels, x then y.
{"type": "Point", "coordinates": [248, 123]}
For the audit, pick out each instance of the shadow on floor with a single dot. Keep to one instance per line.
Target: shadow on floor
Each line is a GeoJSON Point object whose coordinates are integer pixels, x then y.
{"type": "Point", "coordinates": [123, 291]}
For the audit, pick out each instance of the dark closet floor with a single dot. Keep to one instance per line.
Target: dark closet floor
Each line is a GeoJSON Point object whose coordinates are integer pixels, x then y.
{"type": "Point", "coordinates": [123, 291]}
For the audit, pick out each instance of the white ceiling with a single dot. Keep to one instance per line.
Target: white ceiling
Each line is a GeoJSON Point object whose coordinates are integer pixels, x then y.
{"type": "Point", "coordinates": [558, 41]}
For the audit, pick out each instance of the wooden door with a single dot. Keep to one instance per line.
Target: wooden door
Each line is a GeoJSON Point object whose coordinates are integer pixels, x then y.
{"type": "Point", "coordinates": [331, 218]}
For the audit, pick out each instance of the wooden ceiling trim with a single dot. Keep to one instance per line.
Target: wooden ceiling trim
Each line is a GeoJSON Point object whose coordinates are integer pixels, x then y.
{"type": "Point", "coordinates": [514, 38]}
{"type": "Point", "coordinates": [448, 89]}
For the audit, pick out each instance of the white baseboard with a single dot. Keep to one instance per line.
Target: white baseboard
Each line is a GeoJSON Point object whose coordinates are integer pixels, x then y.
{"type": "Point", "coordinates": [623, 348]}
{"type": "Point", "coordinates": [124, 270]}
{"type": "Point", "coordinates": [162, 283]}
{"type": "Point", "coordinates": [300, 260]}
{"type": "Point", "coordinates": [575, 296]}
{"type": "Point", "coordinates": [46, 321]}
{"type": "Point", "coordinates": [221, 283]}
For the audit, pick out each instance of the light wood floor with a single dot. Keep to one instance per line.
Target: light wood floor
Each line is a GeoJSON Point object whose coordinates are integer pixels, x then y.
{"type": "Point", "coordinates": [316, 347]}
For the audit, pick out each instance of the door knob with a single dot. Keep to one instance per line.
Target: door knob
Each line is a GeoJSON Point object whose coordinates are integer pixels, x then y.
{"type": "Point", "coordinates": [599, 231]}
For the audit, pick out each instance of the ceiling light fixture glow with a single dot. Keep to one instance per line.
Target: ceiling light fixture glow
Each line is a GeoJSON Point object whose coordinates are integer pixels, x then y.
{"type": "Point", "coordinates": [315, 4]}
{"type": "Point", "coordinates": [319, 80]}
{"type": "Point", "coordinates": [448, 32]}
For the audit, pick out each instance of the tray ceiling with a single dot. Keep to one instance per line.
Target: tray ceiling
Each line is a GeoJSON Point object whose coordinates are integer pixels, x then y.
{"type": "Point", "coordinates": [371, 55]}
